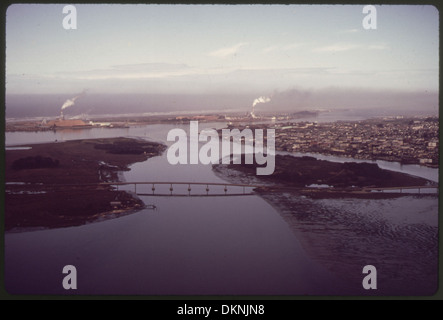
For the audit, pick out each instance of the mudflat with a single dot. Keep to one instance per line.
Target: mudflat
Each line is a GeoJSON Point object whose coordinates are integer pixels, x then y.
{"type": "Point", "coordinates": [45, 185]}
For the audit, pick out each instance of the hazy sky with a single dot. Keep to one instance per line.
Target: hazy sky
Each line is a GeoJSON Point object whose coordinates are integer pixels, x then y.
{"type": "Point", "coordinates": [219, 49]}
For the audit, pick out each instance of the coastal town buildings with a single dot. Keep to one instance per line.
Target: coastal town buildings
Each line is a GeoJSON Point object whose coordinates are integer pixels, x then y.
{"type": "Point", "coordinates": [409, 141]}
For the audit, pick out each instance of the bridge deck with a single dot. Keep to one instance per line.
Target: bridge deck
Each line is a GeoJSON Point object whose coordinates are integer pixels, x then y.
{"type": "Point", "coordinates": [270, 188]}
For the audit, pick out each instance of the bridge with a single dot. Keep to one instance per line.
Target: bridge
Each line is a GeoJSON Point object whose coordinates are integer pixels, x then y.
{"type": "Point", "coordinates": [198, 189]}
{"type": "Point", "coordinates": [419, 188]}
{"type": "Point", "coordinates": [231, 189]}
{"type": "Point", "coordinates": [195, 189]}
{"type": "Point", "coordinates": [147, 188]}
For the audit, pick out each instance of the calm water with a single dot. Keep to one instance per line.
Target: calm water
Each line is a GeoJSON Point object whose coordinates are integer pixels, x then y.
{"type": "Point", "coordinates": [189, 246]}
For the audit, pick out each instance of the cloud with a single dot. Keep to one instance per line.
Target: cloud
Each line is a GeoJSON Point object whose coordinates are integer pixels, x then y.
{"type": "Point", "coordinates": [293, 46]}
{"type": "Point", "coordinates": [133, 72]}
{"type": "Point", "coordinates": [281, 48]}
{"type": "Point", "coordinates": [271, 49]}
{"type": "Point", "coordinates": [337, 48]}
{"type": "Point", "coordinates": [181, 78]}
{"type": "Point", "coordinates": [150, 66]}
{"type": "Point", "coordinates": [227, 51]}
{"type": "Point", "coordinates": [350, 31]}
{"type": "Point", "coordinates": [342, 47]}
{"type": "Point", "coordinates": [354, 98]}
{"type": "Point", "coordinates": [378, 47]}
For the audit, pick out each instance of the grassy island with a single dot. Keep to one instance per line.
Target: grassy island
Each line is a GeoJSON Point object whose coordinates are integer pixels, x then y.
{"type": "Point", "coordinates": [41, 181]}
{"type": "Point", "coordinates": [305, 174]}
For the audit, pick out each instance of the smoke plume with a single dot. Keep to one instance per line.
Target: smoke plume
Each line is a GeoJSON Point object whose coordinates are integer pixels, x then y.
{"type": "Point", "coordinates": [260, 100]}
{"type": "Point", "coordinates": [257, 101]}
{"type": "Point", "coordinates": [70, 102]}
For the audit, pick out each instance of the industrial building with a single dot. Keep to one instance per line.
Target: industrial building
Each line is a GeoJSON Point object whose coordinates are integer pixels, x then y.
{"type": "Point", "coordinates": [71, 124]}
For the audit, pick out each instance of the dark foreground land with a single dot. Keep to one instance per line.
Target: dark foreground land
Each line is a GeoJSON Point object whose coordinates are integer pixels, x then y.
{"type": "Point", "coordinates": [37, 194]}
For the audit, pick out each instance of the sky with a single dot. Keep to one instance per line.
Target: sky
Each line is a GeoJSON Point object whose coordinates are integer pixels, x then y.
{"type": "Point", "coordinates": [220, 49]}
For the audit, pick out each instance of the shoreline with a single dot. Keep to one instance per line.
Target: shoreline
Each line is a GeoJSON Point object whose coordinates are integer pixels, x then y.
{"type": "Point", "coordinates": [305, 172]}
{"type": "Point", "coordinates": [47, 197]}
{"type": "Point", "coordinates": [344, 233]}
{"type": "Point", "coordinates": [362, 159]}
{"type": "Point", "coordinates": [130, 121]}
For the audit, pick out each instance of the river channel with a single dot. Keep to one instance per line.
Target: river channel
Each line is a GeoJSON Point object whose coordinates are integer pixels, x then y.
{"type": "Point", "coordinates": [188, 246]}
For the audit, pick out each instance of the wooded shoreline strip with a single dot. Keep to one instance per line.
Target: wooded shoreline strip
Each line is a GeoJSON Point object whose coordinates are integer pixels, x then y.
{"type": "Point", "coordinates": [300, 172]}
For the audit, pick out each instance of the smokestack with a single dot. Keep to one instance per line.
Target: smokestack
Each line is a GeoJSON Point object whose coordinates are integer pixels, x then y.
{"type": "Point", "coordinates": [252, 112]}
